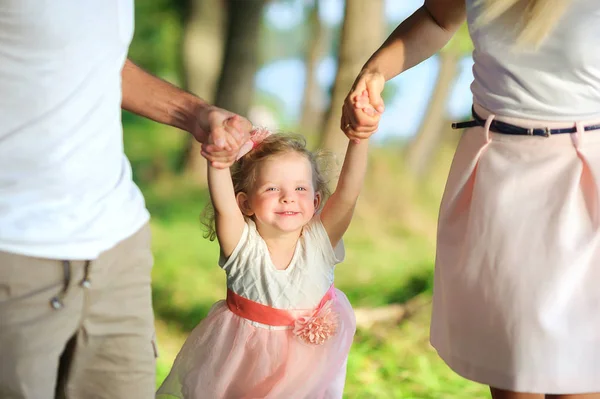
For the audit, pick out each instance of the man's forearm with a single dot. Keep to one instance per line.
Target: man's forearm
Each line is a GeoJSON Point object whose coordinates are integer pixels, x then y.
{"type": "Point", "coordinates": [156, 99]}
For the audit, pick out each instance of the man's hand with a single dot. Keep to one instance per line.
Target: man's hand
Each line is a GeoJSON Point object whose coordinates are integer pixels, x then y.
{"type": "Point", "coordinates": [221, 133]}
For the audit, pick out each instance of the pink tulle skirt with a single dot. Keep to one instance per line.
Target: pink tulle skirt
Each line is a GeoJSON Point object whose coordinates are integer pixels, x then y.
{"type": "Point", "coordinates": [227, 357]}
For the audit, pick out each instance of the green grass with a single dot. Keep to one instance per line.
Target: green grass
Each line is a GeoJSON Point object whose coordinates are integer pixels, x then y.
{"type": "Point", "coordinates": [397, 362]}
{"type": "Point", "coordinates": [389, 259]}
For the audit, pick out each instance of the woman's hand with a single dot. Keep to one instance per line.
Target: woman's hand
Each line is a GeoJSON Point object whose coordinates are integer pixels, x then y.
{"type": "Point", "coordinates": [363, 106]}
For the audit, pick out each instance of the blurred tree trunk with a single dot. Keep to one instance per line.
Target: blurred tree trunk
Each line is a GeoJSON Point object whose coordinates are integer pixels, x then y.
{"type": "Point", "coordinates": [362, 33]}
{"type": "Point", "coordinates": [203, 45]}
{"type": "Point", "coordinates": [312, 114]}
{"type": "Point", "coordinates": [235, 86]}
{"type": "Point", "coordinates": [422, 148]}
{"type": "Point", "coordinates": [240, 63]}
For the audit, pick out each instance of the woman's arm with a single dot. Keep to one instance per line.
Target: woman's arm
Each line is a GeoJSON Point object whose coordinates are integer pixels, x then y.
{"type": "Point", "coordinates": [417, 38]}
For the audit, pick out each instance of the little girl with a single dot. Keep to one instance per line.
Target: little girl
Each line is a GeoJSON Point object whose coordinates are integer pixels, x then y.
{"type": "Point", "coordinates": [284, 331]}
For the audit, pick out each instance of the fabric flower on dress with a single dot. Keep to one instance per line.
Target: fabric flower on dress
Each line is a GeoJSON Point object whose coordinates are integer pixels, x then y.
{"type": "Point", "coordinates": [318, 328]}
{"type": "Point", "coordinates": [257, 135]}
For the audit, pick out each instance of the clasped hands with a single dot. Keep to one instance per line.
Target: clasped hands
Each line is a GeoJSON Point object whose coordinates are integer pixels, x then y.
{"type": "Point", "coordinates": [222, 132]}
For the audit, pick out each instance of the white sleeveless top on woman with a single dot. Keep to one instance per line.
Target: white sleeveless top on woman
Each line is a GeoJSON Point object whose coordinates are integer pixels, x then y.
{"type": "Point", "coordinates": [560, 81]}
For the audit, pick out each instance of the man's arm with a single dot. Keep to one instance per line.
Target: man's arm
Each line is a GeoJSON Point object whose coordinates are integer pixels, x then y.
{"type": "Point", "coordinates": [156, 99]}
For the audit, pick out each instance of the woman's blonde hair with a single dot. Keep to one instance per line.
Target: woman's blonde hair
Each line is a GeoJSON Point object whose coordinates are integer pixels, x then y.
{"type": "Point", "coordinates": [244, 171]}
{"type": "Point", "coordinates": [534, 19]}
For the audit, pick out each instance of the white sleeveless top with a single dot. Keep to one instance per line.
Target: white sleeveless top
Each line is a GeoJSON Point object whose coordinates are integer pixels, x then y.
{"type": "Point", "coordinates": [559, 81]}
{"type": "Point", "coordinates": [251, 273]}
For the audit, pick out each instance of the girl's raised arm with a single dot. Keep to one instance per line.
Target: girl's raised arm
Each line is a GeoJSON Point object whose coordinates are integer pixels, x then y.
{"type": "Point", "coordinates": [339, 209]}
{"type": "Point", "coordinates": [229, 220]}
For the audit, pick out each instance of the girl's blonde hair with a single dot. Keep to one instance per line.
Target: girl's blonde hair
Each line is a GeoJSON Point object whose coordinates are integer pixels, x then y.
{"type": "Point", "coordinates": [244, 171]}
{"type": "Point", "coordinates": [533, 19]}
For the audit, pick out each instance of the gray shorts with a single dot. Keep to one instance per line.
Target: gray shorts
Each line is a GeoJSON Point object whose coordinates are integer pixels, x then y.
{"type": "Point", "coordinates": [78, 329]}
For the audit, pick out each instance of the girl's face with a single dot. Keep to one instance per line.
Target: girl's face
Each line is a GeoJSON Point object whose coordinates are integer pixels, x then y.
{"type": "Point", "coordinates": [283, 198]}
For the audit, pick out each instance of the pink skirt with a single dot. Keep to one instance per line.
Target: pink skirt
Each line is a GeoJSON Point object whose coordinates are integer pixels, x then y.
{"type": "Point", "coordinates": [227, 357]}
{"type": "Point", "coordinates": [516, 292]}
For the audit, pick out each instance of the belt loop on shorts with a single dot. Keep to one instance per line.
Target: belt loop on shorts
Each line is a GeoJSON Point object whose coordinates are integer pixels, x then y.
{"type": "Point", "coordinates": [57, 301]}
{"type": "Point", "coordinates": [577, 137]}
{"type": "Point", "coordinates": [488, 123]}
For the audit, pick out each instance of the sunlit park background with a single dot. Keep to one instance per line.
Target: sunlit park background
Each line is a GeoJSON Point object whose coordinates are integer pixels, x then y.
{"type": "Point", "coordinates": [287, 64]}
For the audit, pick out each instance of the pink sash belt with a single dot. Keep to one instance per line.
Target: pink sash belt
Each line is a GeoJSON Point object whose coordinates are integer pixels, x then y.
{"type": "Point", "coordinates": [313, 326]}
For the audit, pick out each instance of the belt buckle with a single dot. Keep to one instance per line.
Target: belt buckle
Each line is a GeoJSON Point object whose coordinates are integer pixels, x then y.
{"type": "Point", "coordinates": [547, 132]}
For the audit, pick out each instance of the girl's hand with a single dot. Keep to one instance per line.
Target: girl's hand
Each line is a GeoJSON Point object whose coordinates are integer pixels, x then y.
{"type": "Point", "coordinates": [231, 134]}
{"type": "Point", "coordinates": [363, 106]}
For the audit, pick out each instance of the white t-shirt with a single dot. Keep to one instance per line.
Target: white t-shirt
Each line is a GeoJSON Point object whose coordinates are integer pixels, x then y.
{"type": "Point", "coordinates": [66, 190]}
{"type": "Point", "coordinates": [560, 81]}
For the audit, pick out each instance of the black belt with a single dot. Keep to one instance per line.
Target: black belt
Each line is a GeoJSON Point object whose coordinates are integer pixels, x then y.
{"type": "Point", "coordinates": [507, 128]}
